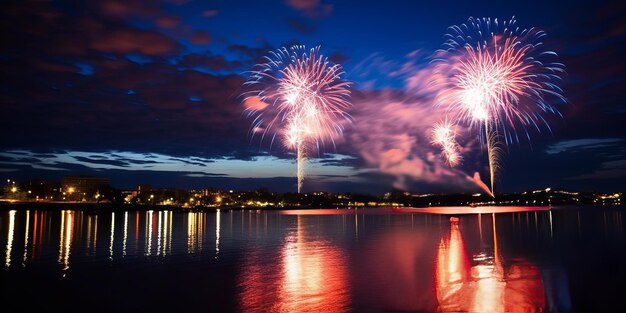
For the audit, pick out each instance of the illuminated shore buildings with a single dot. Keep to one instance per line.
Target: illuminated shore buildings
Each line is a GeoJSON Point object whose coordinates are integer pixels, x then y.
{"type": "Point", "coordinates": [85, 189]}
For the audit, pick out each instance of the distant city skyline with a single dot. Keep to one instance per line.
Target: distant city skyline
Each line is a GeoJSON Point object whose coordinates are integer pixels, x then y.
{"type": "Point", "coordinates": [93, 184]}
{"type": "Point", "coordinates": [90, 190]}
{"type": "Point", "coordinates": [148, 93]}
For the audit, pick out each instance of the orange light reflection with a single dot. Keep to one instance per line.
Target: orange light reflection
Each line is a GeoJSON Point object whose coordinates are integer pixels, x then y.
{"type": "Point", "coordinates": [65, 242]}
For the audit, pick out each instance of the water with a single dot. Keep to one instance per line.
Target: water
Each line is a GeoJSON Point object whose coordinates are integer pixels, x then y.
{"type": "Point", "coordinates": [516, 259]}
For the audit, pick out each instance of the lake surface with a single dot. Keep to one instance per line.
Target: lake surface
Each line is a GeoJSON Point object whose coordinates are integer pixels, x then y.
{"type": "Point", "coordinates": [514, 259]}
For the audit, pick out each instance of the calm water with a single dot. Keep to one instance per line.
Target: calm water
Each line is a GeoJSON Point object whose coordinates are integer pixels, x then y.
{"type": "Point", "coordinates": [569, 259]}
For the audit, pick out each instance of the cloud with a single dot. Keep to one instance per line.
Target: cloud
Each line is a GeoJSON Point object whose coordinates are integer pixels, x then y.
{"type": "Point", "coordinates": [135, 41]}
{"type": "Point", "coordinates": [178, 2]}
{"type": "Point", "coordinates": [55, 37]}
{"type": "Point", "coordinates": [122, 163]}
{"type": "Point", "coordinates": [337, 160]}
{"type": "Point", "coordinates": [118, 163]}
{"type": "Point", "coordinates": [209, 61]}
{"type": "Point", "coordinates": [128, 8]}
{"type": "Point", "coordinates": [201, 38]}
{"type": "Point", "coordinates": [168, 21]}
{"type": "Point", "coordinates": [101, 105]}
{"type": "Point", "coordinates": [204, 175]}
{"type": "Point", "coordinates": [338, 58]}
{"type": "Point", "coordinates": [119, 160]}
{"type": "Point", "coordinates": [302, 26]}
{"type": "Point", "coordinates": [303, 4]}
{"type": "Point", "coordinates": [192, 162]}
{"type": "Point", "coordinates": [311, 8]}
{"type": "Point", "coordinates": [581, 144]}
{"type": "Point", "coordinates": [595, 84]}
{"type": "Point", "coordinates": [253, 53]}
{"type": "Point", "coordinates": [21, 159]}
{"type": "Point", "coordinates": [210, 13]}
{"type": "Point", "coordinates": [608, 170]}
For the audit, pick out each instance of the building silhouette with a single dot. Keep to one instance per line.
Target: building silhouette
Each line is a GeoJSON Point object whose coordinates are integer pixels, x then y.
{"type": "Point", "coordinates": [85, 188]}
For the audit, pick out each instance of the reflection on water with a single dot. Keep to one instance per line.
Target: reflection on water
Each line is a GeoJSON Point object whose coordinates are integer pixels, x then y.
{"type": "Point", "coordinates": [217, 233]}
{"type": "Point", "coordinates": [378, 260]}
{"type": "Point", "coordinates": [92, 234]}
{"type": "Point", "coordinates": [9, 245]}
{"type": "Point", "coordinates": [195, 231]}
{"type": "Point", "coordinates": [77, 234]}
{"type": "Point", "coordinates": [125, 237]}
{"type": "Point", "coordinates": [26, 238]}
{"type": "Point", "coordinates": [148, 236]}
{"type": "Point", "coordinates": [65, 243]}
{"type": "Point", "coordinates": [164, 233]}
{"type": "Point", "coordinates": [311, 276]}
{"type": "Point", "coordinates": [112, 236]}
{"type": "Point", "coordinates": [452, 272]}
{"type": "Point", "coordinates": [158, 233]}
{"type": "Point", "coordinates": [484, 283]}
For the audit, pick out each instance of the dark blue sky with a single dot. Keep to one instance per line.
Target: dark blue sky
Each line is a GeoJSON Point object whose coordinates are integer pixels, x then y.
{"type": "Point", "coordinates": [147, 92]}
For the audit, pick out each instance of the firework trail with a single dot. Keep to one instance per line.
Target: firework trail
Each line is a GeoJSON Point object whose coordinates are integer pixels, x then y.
{"type": "Point", "coordinates": [299, 95]}
{"type": "Point", "coordinates": [443, 135]}
{"type": "Point", "coordinates": [500, 79]}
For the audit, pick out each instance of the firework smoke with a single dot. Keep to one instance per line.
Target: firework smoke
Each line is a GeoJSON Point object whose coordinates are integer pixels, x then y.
{"type": "Point", "coordinates": [389, 141]}
{"type": "Point", "coordinates": [299, 95]}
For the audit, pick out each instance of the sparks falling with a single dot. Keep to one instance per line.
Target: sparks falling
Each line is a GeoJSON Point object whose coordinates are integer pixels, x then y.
{"type": "Point", "coordinates": [443, 135]}
{"type": "Point", "coordinates": [299, 95]}
{"type": "Point", "coordinates": [500, 80]}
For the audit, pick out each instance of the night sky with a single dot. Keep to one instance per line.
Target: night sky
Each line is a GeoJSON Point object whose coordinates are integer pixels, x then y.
{"type": "Point", "coordinates": [148, 92]}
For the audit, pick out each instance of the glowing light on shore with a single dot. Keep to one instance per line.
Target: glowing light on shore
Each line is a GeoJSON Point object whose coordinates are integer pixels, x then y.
{"type": "Point", "coordinates": [299, 95]}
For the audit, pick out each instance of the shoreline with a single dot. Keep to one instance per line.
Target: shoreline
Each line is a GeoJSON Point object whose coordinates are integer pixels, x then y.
{"type": "Point", "coordinates": [92, 206]}
{"type": "Point", "coordinates": [114, 207]}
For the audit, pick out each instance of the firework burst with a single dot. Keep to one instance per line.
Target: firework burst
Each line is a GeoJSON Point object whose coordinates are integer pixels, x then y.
{"type": "Point", "coordinates": [299, 96]}
{"type": "Point", "coordinates": [443, 135]}
{"type": "Point", "coordinates": [499, 79]}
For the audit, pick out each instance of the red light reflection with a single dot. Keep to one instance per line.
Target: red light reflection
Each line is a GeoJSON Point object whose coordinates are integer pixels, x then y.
{"type": "Point", "coordinates": [311, 277]}
{"type": "Point", "coordinates": [487, 286]}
